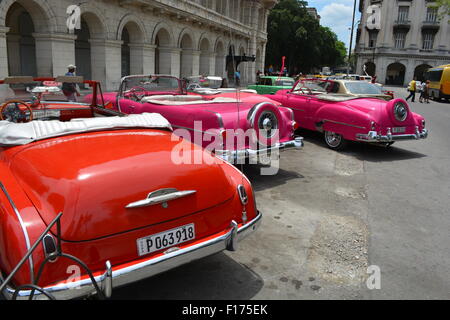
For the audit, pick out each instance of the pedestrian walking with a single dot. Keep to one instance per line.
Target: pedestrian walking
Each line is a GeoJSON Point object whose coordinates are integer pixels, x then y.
{"type": "Point", "coordinates": [420, 87]}
{"type": "Point", "coordinates": [412, 90]}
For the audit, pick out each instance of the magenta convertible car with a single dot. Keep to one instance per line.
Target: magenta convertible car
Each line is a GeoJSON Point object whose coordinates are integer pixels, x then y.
{"type": "Point", "coordinates": [247, 125]}
{"type": "Point", "coordinates": [343, 117]}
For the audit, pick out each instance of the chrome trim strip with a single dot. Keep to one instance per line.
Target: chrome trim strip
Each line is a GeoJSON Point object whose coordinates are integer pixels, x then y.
{"type": "Point", "coordinates": [344, 124]}
{"type": "Point", "coordinates": [24, 229]}
{"type": "Point", "coordinates": [160, 196]}
{"type": "Point", "coordinates": [65, 102]}
{"type": "Point", "coordinates": [125, 275]}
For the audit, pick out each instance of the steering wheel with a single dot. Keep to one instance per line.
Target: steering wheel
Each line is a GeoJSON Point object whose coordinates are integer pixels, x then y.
{"type": "Point", "coordinates": [194, 86]}
{"type": "Point", "coordinates": [16, 111]}
{"type": "Point", "coordinates": [137, 96]}
{"type": "Point", "coordinates": [302, 89]}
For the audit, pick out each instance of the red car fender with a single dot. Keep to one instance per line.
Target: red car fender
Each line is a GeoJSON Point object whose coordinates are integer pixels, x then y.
{"type": "Point", "coordinates": [18, 230]}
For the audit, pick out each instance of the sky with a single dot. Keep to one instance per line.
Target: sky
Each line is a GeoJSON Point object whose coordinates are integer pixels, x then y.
{"type": "Point", "coordinates": [337, 15]}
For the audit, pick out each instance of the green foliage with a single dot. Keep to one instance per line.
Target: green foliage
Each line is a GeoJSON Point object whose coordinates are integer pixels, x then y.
{"type": "Point", "coordinates": [294, 33]}
{"type": "Point", "coordinates": [443, 6]}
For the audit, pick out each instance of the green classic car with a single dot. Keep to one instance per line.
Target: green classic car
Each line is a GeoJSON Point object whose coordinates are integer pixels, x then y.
{"type": "Point", "coordinates": [270, 85]}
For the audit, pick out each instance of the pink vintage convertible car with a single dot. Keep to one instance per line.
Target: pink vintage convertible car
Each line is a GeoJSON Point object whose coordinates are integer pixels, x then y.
{"type": "Point", "coordinates": [344, 117]}
{"type": "Point", "coordinates": [246, 125]}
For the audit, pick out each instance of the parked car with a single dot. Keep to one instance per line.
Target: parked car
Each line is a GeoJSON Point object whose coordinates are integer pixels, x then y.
{"type": "Point", "coordinates": [356, 88]}
{"type": "Point", "coordinates": [271, 84]}
{"type": "Point", "coordinates": [344, 117]}
{"type": "Point", "coordinates": [87, 186]}
{"type": "Point", "coordinates": [218, 115]}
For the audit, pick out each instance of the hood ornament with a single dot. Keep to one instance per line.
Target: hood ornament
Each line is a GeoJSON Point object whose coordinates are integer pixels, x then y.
{"type": "Point", "coordinates": [162, 196]}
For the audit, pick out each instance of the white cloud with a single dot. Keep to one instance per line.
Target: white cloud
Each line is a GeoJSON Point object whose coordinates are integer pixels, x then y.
{"type": "Point", "coordinates": [338, 17]}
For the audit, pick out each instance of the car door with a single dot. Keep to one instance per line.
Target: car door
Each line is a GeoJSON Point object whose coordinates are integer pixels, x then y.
{"type": "Point", "coordinates": [301, 104]}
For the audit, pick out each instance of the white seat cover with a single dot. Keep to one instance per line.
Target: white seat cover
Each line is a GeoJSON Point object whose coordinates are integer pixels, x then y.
{"type": "Point", "coordinates": [13, 134]}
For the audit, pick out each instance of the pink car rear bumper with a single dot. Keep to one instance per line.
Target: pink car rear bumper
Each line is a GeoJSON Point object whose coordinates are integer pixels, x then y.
{"type": "Point", "coordinates": [373, 136]}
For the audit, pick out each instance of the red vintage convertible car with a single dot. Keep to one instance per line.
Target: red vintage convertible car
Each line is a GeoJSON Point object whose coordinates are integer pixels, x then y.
{"type": "Point", "coordinates": [346, 117]}
{"type": "Point", "coordinates": [90, 199]}
{"type": "Point", "coordinates": [248, 127]}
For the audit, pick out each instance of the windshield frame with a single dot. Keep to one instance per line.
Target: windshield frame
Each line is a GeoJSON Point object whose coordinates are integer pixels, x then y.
{"type": "Point", "coordinates": [95, 85]}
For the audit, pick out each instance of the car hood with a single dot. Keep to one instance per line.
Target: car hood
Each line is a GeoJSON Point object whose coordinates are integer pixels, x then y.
{"type": "Point", "coordinates": [91, 178]}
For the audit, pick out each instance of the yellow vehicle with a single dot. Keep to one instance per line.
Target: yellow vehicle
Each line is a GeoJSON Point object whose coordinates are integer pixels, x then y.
{"type": "Point", "coordinates": [439, 82]}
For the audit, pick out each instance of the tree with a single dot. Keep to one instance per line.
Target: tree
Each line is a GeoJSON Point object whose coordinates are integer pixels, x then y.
{"type": "Point", "coordinates": [294, 33]}
{"type": "Point", "coordinates": [443, 6]}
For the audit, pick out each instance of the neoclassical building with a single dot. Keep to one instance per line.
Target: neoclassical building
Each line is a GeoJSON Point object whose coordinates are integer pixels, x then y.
{"type": "Point", "coordinates": [411, 39]}
{"type": "Point", "coordinates": [121, 37]}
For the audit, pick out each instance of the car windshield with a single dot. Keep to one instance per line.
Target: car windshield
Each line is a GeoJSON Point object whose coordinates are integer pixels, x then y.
{"type": "Point", "coordinates": [284, 83]}
{"type": "Point", "coordinates": [311, 86]}
{"type": "Point", "coordinates": [151, 84]}
{"type": "Point", "coordinates": [204, 82]}
{"type": "Point", "coordinates": [363, 88]}
{"type": "Point", "coordinates": [29, 91]}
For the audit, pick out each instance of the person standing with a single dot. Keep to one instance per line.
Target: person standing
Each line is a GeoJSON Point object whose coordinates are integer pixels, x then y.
{"type": "Point", "coordinates": [426, 93]}
{"type": "Point", "coordinates": [412, 90]}
{"type": "Point", "coordinates": [237, 76]}
{"type": "Point", "coordinates": [70, 89]}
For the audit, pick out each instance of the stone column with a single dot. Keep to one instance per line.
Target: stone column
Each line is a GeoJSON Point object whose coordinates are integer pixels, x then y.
{"type": "Point", "coordinates": [4, 72]}
{"type": "Point", "coordinates": [142, 58]}
{"type": "Point", "coordinates": [176, 62]}
{"type": "Point", "coordinates": [54, 52]}
{"type": "Point", "coordinates": [196, 62]}
{"type": "Point", "coordinates": [212, 64]}
{"type": "Point", "coordinates": [106, 61]}
{"type": "Point", "coordinates": [251, 76]}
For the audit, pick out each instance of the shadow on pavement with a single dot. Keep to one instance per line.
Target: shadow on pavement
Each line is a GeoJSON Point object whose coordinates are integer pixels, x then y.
{"type": "Point", "coordinates": [263, 182]}
{"type": "Point", "coordinates": [217, 277]}
{"type": "Point", "coordinates": [366, 151]}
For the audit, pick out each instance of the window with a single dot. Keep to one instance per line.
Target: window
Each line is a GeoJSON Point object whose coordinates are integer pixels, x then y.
{"type": "Point", "coordinates": [434, 75]}
{"type": "Point", "coordinates": [403, 13]}
{"type": "Point", "coordinates": [399, 39]}
{"type": "Point", "coordinates": [432, 14]}
{"type": "Point", "coordinates": [428, 40]}
{"type": "Point", "coordinates": [373, 39]}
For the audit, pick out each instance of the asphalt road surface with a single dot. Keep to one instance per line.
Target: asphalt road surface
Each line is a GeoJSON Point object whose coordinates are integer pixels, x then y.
{"type": "Point", "coordinates": [328, 216]}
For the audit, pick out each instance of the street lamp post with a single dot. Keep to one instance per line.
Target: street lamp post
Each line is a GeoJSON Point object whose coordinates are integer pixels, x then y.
{"type": "Point", "coordinates": [351, 38]}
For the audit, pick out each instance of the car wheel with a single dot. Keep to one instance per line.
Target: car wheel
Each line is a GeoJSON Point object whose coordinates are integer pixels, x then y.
{"type": "Point", "coordinates": [334, 140]}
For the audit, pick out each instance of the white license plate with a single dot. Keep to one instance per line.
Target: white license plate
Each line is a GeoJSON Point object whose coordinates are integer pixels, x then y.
{"type": "Point", "coordinates": [399, 129]}
{"type": "Point", "coordinates": [165, 239]}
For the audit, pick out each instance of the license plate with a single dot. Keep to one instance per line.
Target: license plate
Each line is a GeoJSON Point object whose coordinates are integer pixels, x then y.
{"type": "Point", "coordinates": [399, 129]}
{"type": "Point", "coordinates": [165, 239]}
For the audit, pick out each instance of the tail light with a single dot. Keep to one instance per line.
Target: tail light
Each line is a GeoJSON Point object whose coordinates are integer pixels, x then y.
{"type": "Point", "coordinates": [423, 123]}
{"type": "Point", "coordinates": [295, 125]}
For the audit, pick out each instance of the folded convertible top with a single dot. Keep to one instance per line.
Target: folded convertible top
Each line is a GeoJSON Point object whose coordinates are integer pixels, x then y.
{"type": "Point", "coordinates": [14, 134]}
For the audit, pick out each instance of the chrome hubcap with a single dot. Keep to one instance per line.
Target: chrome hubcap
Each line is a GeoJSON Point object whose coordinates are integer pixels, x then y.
{"type": "Point", "coordinates": [333, 139]}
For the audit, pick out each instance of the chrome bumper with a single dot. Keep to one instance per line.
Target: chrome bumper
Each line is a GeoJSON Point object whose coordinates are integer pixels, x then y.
{"type": "Point", "coordinates": [239, 156]}
{"type": "Point", "coordinates": [373, 136]}
{"type": "Point", "coordinates": [117, 276]}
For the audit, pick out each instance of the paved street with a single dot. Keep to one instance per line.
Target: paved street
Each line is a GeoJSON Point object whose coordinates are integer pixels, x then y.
{"type": "Point", "coordinates": [327, 217]}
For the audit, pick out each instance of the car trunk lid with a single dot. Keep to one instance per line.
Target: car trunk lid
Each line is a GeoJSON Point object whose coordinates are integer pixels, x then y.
{"type": "Point", "coordinates": [92, 178]}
